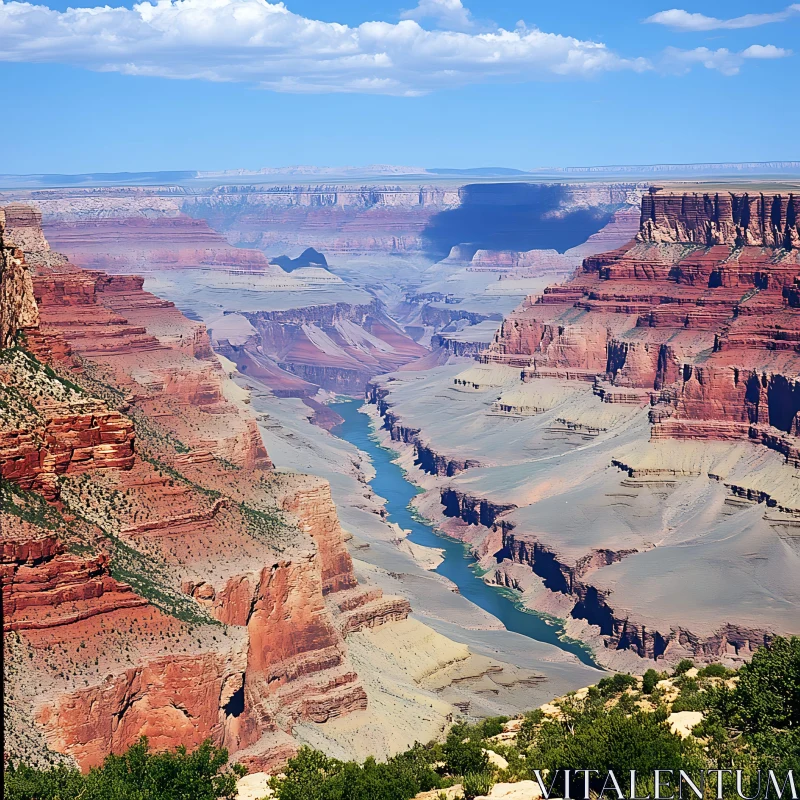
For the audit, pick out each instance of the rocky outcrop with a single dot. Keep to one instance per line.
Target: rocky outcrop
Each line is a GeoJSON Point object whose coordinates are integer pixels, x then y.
{"type": "Point", "coordinates": [457, 346]}
{"type": "Point", "coordinates": [470, 509]}
{"type": "Point", "coordinates": [44, 587]}
{"type": "Point", "coordinates": [724, 218]}
{"type": "Point", "coordinates": [625, 633]}
{"type": "Point", "coordinates": [313, 506]}
{"type": "Point", "coordinates": [18, 309]}
{"type": "Point", "coordinates": [337, 346]}
{"type": "Point", "coordinates": [425, 456]}
{"type": "Point", "coordinates": [698, 311]}
{"type": "Point", "coordinates": [51, 429]}
{"type": "Point", "coordinates": [532, 263]}
{"type": "Point", "coordinates": [169, 700]}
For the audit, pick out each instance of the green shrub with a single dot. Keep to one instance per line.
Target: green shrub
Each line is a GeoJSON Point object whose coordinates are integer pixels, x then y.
{"type": "Point", "coordinates": [616, 684]}
{"type": "Point", "coordinates": [203, 774]}
{"type": "Point", "coordinates": [649, 681]}
{"type": "Point", "coordinates": [528, 728]}
{"type": "Point", "coordinates": [714, 671]}
{"type": "Point", "coordinates": [311, 775]}
{"type": "Point", "coordinates": [492, 726]}
{"type": "Point", "coordinates": [691, 701]}
{"type": "Point", "coordinates": [462, 753]}
{"type": "Point", "coordinates": [476, 784]}
{"type": "Point", "coordinates": [683, 666]}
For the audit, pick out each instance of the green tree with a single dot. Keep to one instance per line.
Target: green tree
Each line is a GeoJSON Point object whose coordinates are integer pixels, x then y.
{"type": "Point", "coordinates": [310, 775]}
{"type": "Point", "coordinates": [616, 684]}
{"type": "Point", "coordinates": [649, 681]}
{"type": "Point", "coordinates": [684, 665]}
{"type": "Point", "coordinates": [768, 692]}
{"type": "Point", "coordinates": [462, 753]}
{"type": "Point", "coordinates": [138, 774]}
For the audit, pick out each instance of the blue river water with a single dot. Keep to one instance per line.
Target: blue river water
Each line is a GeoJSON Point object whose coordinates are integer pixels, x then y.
{"type": "Point", "coordinates": [390, 483]}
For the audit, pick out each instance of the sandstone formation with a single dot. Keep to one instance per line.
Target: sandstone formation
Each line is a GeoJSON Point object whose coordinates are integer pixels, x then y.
{"type": "Point", "coordinates": [130, 244]}
{"type": "Point", "coordinates": [159, 578]}
{"type": "Point", "coordinates": [699, 311]}
{"type": "Point", "coordinates": [738, 220]}
{"type": "Point", "coordinates": [632, 444]}
{"type": "Point", "coordinates": [337, 347]}
{"type": "Point", "coordinates": [17, 307]}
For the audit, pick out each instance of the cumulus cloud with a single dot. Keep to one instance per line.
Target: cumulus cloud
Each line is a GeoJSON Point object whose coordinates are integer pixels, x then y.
{"type": "Point", "coordinates": [266, 44]}
{"type": "Point", "coordinates": [765, 51]}
{"type": "Point", "coordinates": [446, 13]}
{"type": "Point", "coordinates": [680, 20]}
{"type": "Point", "coordinates": [722, 60]}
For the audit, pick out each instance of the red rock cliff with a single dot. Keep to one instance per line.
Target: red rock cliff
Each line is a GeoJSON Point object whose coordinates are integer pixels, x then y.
{"type": "Point", "coordinates": [18, 309]}
{"type": "Point", "coordinates": [193, 516]}
{"type": "Point", "coordinates": [700, 311]}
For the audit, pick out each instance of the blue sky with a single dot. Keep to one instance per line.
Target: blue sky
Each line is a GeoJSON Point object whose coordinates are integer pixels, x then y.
{"type": "Point", "coordinates": [221, 84]}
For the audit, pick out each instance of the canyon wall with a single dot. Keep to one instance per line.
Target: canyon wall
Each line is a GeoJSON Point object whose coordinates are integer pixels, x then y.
{"type": "Point", "coordinates": [148, 547]}
{"type": "Point", "coordinates": [177, 225]}
{"type": "Point", "coordinates": [633, 436]}
{"type": "Point", "coordinates": [698, 311]}
{"type": "Point", "coordinates": [17, 306]}
{"type": "Point", "coordinates": [740, 220]}
{"type": "Point", "coordinates": [336, 346]}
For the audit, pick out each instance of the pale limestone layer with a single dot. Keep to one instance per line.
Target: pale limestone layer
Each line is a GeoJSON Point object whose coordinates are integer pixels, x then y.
{"type": "Point", "coordinates": [573, 494]}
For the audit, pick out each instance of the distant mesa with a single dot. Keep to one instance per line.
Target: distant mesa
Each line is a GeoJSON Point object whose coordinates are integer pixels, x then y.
{"type": "Point", "coordinates": [478, 172]}
{"type": "Point", "coordinates": [308, 258]}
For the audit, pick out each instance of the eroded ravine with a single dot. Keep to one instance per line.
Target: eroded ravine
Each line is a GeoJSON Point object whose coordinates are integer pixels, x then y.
{"type": "Point", "coordinates": [390, 483]}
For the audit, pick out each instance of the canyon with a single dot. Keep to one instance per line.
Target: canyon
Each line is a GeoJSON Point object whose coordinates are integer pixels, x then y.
{"type": "Point", "coordinates": [601, 404]}
{"type": "Point", "coordinates": [216, 251]}
{"type": "Point", "coordinates": [624, 453]}
{"type": "Point", "coordinates": [162, 578]}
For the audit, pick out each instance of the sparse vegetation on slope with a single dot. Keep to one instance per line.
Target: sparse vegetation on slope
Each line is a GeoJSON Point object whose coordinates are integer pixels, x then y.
{"type": "Point", "coordinates": [747, 720]}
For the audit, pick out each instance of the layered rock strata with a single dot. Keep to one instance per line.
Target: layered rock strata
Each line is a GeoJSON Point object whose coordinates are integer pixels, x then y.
{"type": "Point", "coordinates": [148, 547]}
{"type": "Point", "coordinates": [18, 309]}
{"type": "Point", "coordinates": [633, 436]}
{"type": "Point", "coordinates": [337, 347]}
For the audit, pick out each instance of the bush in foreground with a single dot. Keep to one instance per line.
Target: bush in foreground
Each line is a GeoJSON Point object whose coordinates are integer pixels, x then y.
{"type": "Point", "coordinates": [139, 774]}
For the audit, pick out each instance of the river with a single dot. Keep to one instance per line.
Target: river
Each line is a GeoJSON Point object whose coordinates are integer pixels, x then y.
{"type": "Point", "coordinates": [391, 484]}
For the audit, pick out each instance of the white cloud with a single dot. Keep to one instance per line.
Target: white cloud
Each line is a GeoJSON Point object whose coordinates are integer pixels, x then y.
{"type": "Point", "coordinates": [722, 60]}
{"type": "Point", "coordinates": [765, 51]}
{"type": "Point", "coordinates": [680, 20]}
{"type": "Point", "coordinates": [266, 44]}
{"type": "Point", "coordinates": [447, 13]}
